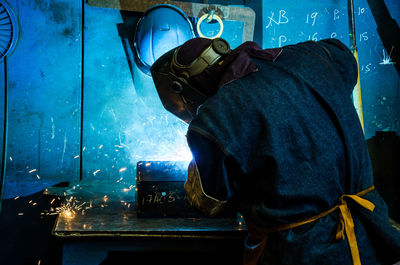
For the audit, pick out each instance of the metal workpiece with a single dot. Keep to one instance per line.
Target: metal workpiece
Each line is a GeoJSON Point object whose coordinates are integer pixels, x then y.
{"type": "Point", "coordinates": [100, 210]}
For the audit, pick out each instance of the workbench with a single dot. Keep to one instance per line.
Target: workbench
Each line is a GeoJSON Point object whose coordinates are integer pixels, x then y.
{"type": "Point", "coordinates": [100, 219]}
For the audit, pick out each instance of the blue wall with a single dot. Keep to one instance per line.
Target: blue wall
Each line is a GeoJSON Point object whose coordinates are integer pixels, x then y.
{"type": "Point", "coordinates": [288, 22]}
{"type": "Point", "coordinates": [60, 52]}
{"type": "Point", "coordinates": [44, 84]}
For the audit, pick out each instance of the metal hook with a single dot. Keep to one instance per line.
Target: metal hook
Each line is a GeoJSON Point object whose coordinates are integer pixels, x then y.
{"type": "Point", "coordinates": [210, 16]}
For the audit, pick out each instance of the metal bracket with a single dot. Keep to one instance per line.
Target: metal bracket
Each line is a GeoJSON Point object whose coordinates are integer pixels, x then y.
{"type": "Point", "coordinates": [235, 13]}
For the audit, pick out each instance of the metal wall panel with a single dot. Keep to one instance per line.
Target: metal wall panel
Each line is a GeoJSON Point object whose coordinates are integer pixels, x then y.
{"type": "Point", "coordinates": [124, 121]}
{"type": "Point", "coordinates": [44, 94]}
{"type": "Point", "coordinates": [2, 87]}
{"type": "Point", "coordinates": [286, 22]}
{"type": "Point", "coordinates": [380, 82]}
{"type": "Point", "coordinates": [108, 97]}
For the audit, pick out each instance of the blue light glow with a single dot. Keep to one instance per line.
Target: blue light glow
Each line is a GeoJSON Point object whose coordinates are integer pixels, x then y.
{"type": "Point", "coordinates": [162, 138]}
{"type": "Point", "coordinates": [154, 134]}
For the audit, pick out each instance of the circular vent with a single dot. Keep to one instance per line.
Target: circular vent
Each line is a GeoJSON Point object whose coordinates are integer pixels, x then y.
{"type": "Point", "coordinates": [8, 30]}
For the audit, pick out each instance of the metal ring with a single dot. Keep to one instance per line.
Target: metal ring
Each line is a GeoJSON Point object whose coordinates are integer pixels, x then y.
{"type": "Point", "coordinates": [221, 24]}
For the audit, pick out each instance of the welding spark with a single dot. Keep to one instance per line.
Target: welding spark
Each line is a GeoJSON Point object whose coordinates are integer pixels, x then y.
{"type": "Point", "coordinates": [16, 198]}
{"type": "Point", "coordinates": [68, 213]}
{"type": "Point", "coordinates": [11, 159]}
{"type": "Point", "coordinates": [75, 157]}
{"type": "Point", "coordinates": [69, 209]}
{"type": "Point", "coordinates": [97, 171]}
{"type": "Point", "coordinates": [38, 176]}
{"type": "Point", "coordinates": [101, 146]}
{"type": "Point", "coordinates": [122, 169]}
{"type": "Point", "coordinates": [129, 189]}
{"type": "Point", "coordinates": [33, 170]}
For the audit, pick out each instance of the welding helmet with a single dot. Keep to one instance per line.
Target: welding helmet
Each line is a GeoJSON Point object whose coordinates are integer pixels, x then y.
{"type": "Point", "coordinates": [162, 28]}
{"type": "Point", "coordinates": [171, 78]}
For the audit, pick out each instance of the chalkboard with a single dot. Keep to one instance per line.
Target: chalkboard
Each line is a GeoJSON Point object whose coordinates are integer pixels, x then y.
{"type": "Point", "coordinates": [285, 23]}
{"type": "Point", "coordinates": [288, 22]}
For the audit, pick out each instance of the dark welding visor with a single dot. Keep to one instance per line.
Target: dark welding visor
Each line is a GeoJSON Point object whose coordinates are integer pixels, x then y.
{"type": "Point", "coordinates": [171, 79]}
{"type": "Point", "coordinates": [176, 94]}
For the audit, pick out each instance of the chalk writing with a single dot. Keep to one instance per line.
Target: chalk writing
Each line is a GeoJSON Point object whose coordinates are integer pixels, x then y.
{"type": "Point", "coordinates": [361, 10]}
{"type": "Point", "coordinates": [311, 18]}
{"type": "Point", "coordinates": [159, 198]}
{"type": "Point", "coordinates": [364, 36]}
{"type": "Point", "coordinates": [366, 68]}
{"type": "Point", "coordinates": [333, 35]}
{"type": "Point", "coordinates": [212, 32]}
{"type": "Point", "coordinates": [282, 39]}
{"type": "Point", "coordinates": [282, 19]}
{"type": "Point", "coordinates": [313, 37]}
{"type": "Point", "coordinates": [336, 14]}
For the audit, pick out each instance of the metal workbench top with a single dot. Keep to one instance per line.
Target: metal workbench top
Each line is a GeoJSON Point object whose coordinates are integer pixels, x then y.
{"type": "Point", "coordinates": [105, 210]}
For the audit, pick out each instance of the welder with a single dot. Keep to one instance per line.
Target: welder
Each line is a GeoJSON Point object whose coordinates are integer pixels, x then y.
{"type": "Point", "coordinates": [275, 136]}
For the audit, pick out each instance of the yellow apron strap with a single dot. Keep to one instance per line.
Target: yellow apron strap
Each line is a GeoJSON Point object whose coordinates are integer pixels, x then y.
{"type": "Point", "coordinates": [346, 224]}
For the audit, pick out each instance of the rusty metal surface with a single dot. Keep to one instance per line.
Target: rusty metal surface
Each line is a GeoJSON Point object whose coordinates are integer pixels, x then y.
{"type": "Point", "coordinates": [235, 13]}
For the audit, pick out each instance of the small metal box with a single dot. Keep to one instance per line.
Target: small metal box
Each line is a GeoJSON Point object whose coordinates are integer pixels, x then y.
{"type": "Point", "coordinates": [160, 190]}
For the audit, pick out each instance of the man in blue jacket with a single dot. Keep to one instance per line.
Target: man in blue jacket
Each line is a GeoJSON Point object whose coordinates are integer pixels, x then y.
{"type": "Point", "coordinates": [275, 136]}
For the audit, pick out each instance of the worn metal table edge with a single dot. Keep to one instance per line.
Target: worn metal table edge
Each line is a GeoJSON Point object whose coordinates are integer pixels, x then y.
{"type": "Point", "coordinates": [65, 235]}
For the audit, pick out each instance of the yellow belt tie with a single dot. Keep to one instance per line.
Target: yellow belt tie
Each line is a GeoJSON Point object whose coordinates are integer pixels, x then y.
{"type": "Point", "coordinates": [346, 225]}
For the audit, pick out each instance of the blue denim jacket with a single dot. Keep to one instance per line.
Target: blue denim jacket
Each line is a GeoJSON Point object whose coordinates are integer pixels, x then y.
{"type": "Point", "coordinates": [283, 144]}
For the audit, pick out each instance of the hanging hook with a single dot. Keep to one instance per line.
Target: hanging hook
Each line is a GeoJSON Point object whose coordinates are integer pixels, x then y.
{"type": "Point", "coordinates": [210, 16]}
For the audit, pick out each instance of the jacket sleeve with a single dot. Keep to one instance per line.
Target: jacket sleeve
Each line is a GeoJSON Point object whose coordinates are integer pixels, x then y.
{"type": "Point", "coordinates": [207, 184]}
{"type": "Point", "coordinates": [342, 59]}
